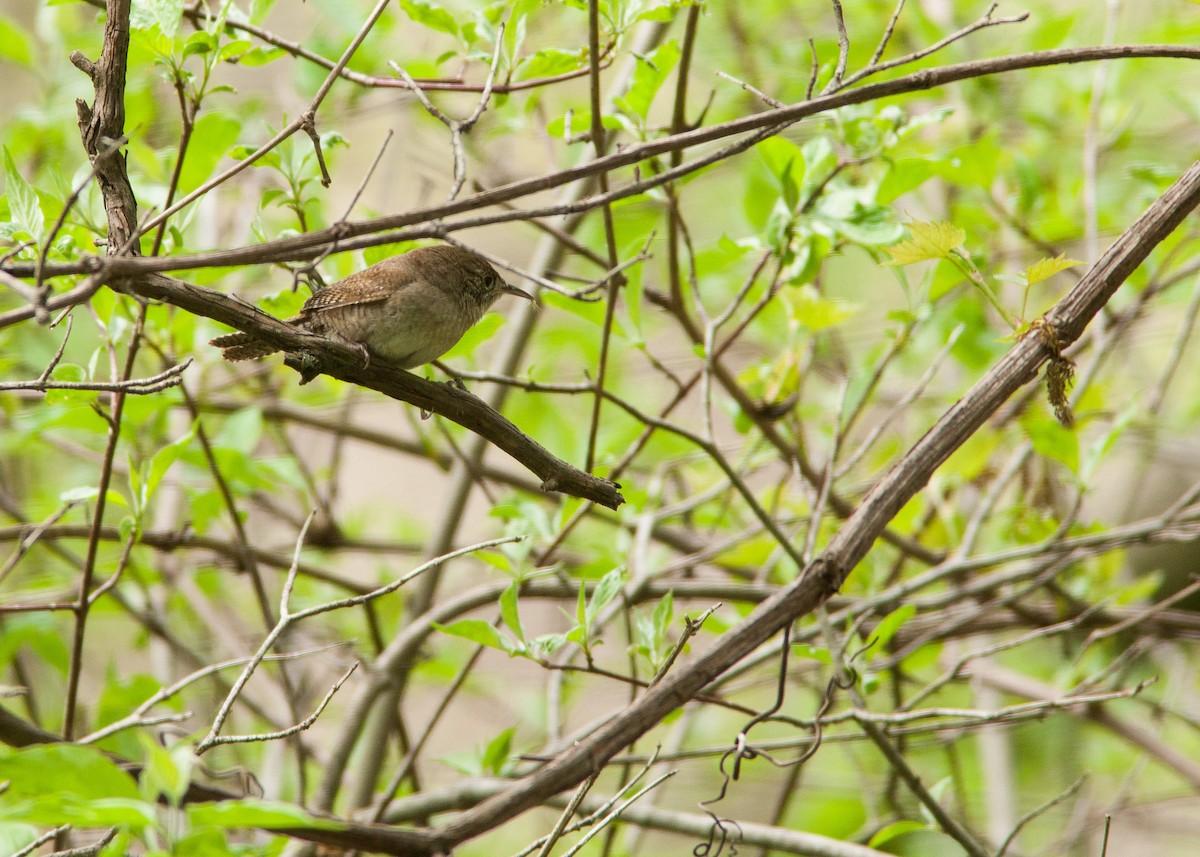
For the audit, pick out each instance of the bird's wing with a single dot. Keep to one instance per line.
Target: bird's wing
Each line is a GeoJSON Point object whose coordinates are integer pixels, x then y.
{"type": "Point", "coordinates": [363, 287]}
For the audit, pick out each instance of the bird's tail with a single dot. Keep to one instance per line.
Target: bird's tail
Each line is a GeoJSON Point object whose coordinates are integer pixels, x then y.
{"type": "Point", "coordinates": [242, 346]}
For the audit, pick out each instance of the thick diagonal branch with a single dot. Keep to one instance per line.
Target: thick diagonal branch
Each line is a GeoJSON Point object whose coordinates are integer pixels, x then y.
{"type": "Point", "coordinates": [824, 576]}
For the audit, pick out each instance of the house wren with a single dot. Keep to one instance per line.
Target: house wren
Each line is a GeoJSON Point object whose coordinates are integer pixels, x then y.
{"type": "Point", "coordinates": [410, 308]}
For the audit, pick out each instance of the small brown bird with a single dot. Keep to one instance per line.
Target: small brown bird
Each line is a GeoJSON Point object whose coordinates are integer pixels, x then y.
{"type": "Point", "coordinates": [410, 308]}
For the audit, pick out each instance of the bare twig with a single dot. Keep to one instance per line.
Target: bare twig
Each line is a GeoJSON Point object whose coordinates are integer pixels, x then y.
{"type": "Point", "coordinates": [767, 122]}
{"type": "Point", "coordinates": [133, 386]}
{"type": "Point", "coordinates": [288, 618]}
{"type": "Point", "coordinates": [458, 127]}
{"type": "Point", "coordinates": [305, 121]}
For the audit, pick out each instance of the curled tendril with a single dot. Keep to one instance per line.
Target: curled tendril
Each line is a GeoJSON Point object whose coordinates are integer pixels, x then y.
{"type": "Point", "coordinates": [719, 835]}
{"type": "Point", "coordinates": [743, 751]}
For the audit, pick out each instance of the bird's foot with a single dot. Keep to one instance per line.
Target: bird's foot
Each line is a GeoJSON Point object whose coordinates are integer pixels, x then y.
{"type": "Point", "coordinates": [308, 365]}
{"type": "Point", "coordinates": [453, 380]}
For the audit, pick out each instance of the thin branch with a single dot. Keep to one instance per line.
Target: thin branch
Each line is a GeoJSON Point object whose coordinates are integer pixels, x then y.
{"type": "Point", "coordinates": [305, 246]}
{"type": "Point", "coordinates": [599, 144]}
{"type": "Point", "coordinates": [291, 730]}
{"type": "Point", "coordinates": [197, 12]}
{"type": "Point", "coordinates": [41, 840]}
{"type": "Point", "coordinates": [288, 618]}
{"type": "Point", "coordinates": [345, 363]}
{"type": "Point", "coordinates": [762, 96]}
{"type": "Point", "coordinates": [458, 127]}
{"type": "Point", "coordinates": [984, 22]}
{"type": "Point", "coordinates": [839, 71]}
{"type": "Point", "coordinates": [306, 121]}
{"type": "Point", "coordinates": [886, 38]}
{"type": "Point", "coordinates": [134, 386]}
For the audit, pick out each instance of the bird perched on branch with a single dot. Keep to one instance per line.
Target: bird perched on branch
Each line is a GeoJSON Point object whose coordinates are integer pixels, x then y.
{"type": "Point", "coordinates": [410, 308]}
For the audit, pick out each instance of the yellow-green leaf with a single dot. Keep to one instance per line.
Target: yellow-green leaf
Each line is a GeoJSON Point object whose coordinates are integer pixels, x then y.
{"type": "Point", "coordinates": [816, 312]}
{"type": "Point", "coordinates": [928, 241]}
{"type": "Point", "coordinates": [1044, 269]}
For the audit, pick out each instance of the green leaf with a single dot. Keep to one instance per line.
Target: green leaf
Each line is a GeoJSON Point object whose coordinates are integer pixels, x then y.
{"type": "Point", "coordinates": [664, 611]}
{"type": "Point", "coordinates": [544, 645]}
{"type": "Point", "coordinates": [24, 207]}
{"type": "Point", "coordinates": [820, 160]}
{"type": "Point", "coordinates": [648, 77]}
{"type": "Point", "coordinates": [975, 163]}
{"type": "Point", "coordinates": [69, 373]}
{"type": "Point", "coordinates": [509, 613]}
{"type": "Point", "coordinates": [39, 634]}
{"type": "Point", "coordinates": [230, 51]}
{"type": "Point", "coordinates": [267, 159]}
{"type": "Point", "coordinates": [816, 653]}
{"type": "Point", "coordinates": [807, 253]}
{"type": "Point", "coordinates": [478, 631]}
{"type": "Point", "coordinates": [250, 812]}
{"type": "Point", "coordinates": [780, 226]}
{"type": "Point", "coordinates": [89, 492]}
{"type": "Point", "coordinates": [205, 842]}
{"type": "Point", "coordinates": [54, 808]}
{"type": "Point", "coordinates": [167, 14]}
{"type": "Point", "coordinates": [14, 837]}
{"type": "Point", "coordinates": [581, 123]}
{"type": "Point", "coordinates": [212, 137]}
{"type": "Point", "coordinates": [1044, 269]}
{"type": "Point", "coordinates": [431, 16]}
{"type": "Point", "coordinates": [1099, 449]}
{"type": "Point", "coordinates": [476, 335]}
{"type": "Point", "coordinates": [551, 62]}
{"type": "Point", "coordinates": [929, 241]}
{"type": "Point", "coordinates": [496, 755]}
{"type": "Point", "coordinates": [334, 140]}
{"type": "Point", "coordinates": [166, 772]}
{"type": "Point", "coordinates": [122, 694]}
{"type": "Point", "coordinates": [64, 770]}
{"type": "Point", "coordinates": [1157, 176]}
{"type": "Point", "coordinates": [905, 174]}
{"type": "Point", "coordinates": [14, 43]}
{"type": "Point", "coordinates": [889, 625]}
{"type": "Point", "coordinates": [871, 225]}
{"type": "Point", "coordinates": [241, 431]}
{"type": "Point", "coordinates": [786, 162]}
{"type": "Point", "coordinates": [285, 303]}
{"type": "Point", "coordinates": [379, 252]}
{"type": "Point", "coordinates": [581, 615]}
{"type": "Point", "coordinates": [893, 830]}
{"type": "Point", "coordinates": [936, 791]}
{"type": "Point", "coordinates": [260, 55]}
{"type": "Point", "coordinates": [606, 590]}
{"type": "Point", "coordinates": [494, 758]}
{"type": "Point", "coordinates": [200, 42]}
{"type": "Point", "coordinates": [259, 9]}
{"type": "Point", "coordinates": [817, 312]}
{"type": "Point", "coordinates": [1051, 440]}
{"type": "Point", "coordinates": [164, 458]}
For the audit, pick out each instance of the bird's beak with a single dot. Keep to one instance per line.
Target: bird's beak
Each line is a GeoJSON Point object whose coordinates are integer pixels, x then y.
{"type": "Point", "coordinates": [513, 290]}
